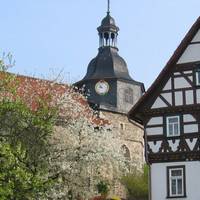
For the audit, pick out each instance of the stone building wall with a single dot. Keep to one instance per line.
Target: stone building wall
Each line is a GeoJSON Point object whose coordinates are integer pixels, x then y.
{"type": "Point", "coordinates": [131, 135]}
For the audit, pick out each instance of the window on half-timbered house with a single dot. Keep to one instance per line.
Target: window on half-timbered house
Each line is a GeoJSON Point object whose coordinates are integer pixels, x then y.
{"type": "Point", "coordinates": [198, 76]}
{"type": "Point", "coordinates": [173, 126]}
{"type": "Point", "coordinates": [176, 181]}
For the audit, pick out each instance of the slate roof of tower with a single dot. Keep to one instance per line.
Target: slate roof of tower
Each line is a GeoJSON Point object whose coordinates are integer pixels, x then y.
{"type": "Point", "coordinates": [108, 20]}
{"type": "Point", "coordinates": [108, 63]}
{"type": "Point", "coordinates": [108, 23]}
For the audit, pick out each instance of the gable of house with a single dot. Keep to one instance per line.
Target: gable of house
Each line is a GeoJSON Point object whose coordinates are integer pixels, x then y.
{"type": "Point", "coordinates": [176, 84]}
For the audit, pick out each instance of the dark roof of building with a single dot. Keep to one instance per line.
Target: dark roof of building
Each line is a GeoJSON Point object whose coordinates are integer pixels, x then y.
{"type": "Point", "coordinates": [108, 65]}
{"type": "Point", "coordinates": [108, 20]}
{"type": "Point", "coordinates": [108, 23]}
{"type": "Point", "coordinates": [134, 112]}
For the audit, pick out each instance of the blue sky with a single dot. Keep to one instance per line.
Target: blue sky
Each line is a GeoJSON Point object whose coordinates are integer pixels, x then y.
{"type": "Point", "coordinates": [47, 37]}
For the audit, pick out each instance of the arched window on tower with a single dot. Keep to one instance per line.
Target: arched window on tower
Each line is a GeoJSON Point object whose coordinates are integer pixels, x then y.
{"type": "Point", "coordinates": [100, 39]}
{"type": "Point", "coordinates": [126, 152]}
{"type": "Point", "coordinates": [106, 37]}
{"type": "Point", "coordinates": [113, 39]}
{"type": "Point", "coordinates": [128, 95]}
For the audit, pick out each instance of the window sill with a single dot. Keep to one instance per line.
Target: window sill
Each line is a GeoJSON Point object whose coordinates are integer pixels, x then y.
{"type": "Point", "coordinates": [172, 136]}
{"type": "Point", "coordinates": [197, 86]}
{"type": "Point", "coordinates": [175, 197]}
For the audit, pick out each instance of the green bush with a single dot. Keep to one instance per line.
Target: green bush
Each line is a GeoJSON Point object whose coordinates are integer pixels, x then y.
{"type": "Point", "coordinates": [103, 187]}
{"type": "Point", "coordinates": [24, 149]}
{"type": "Point", "coordinates": [136, 184]}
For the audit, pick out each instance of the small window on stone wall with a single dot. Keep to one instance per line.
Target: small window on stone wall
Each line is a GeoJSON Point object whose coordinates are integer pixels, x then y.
{"type": "Point", "coordinates": [122, 126]}
{"type": "Point", "coordinates": [128, 95]}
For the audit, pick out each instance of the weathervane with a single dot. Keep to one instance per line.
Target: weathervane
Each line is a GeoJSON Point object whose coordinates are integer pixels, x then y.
{"type": "Point", "coordinates": [108, 7]}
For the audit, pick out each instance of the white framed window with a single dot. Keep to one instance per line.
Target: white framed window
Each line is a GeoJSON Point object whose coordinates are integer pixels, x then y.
{"type": "Point", "coordinates": [176, 181]}
{"type": "Point", "coordinates": [198, 76]}
{"type": "Point", "coordinates": [173, 126]}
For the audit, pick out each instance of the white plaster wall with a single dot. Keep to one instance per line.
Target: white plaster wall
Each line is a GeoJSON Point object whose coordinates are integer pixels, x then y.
{"type": "Point", "coordinates": [168, 97]}
{"type": "Point", "coordinates": [155, 146]}
{"type": "Point", "coordinates": [189, 97]}
{"type": "Point", "coordinates": [178, 98]}
{"type": "Point", "coordinates": [192, 143]}
{"type": "Point", "coordinates": [177, 73]}
{"type": "Point", "coordinates": [198, 95]}
{"type": "Point", "coordinates": [196, 37]}
{"type": "Point", "coordinates": [168, 85]}
{"type": "Point", "coordinates": [188, 118]}
{"type": "Point", "coordinates": [187, 72]}
{"type": "Point", "coordinates": [159, 103]}
{"type": "Point", "coordinates": [181, 82]}
{"type": "Point", "coordinates": [154, 131]}
{"type": "Point", "coordinates": [159, 180]}
{"type": "Point", "coordinates": [191, 78]}
{"type": "Point", "coordinates": [155, 121]}
{"type": "Point", "coordinates": [191, 54]}
{"type": "Point", "coordinates": [191, 128]}
{"type": "Point", "coordinates": [174, 145]}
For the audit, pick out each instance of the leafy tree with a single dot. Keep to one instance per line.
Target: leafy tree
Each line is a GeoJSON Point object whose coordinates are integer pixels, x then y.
{"type": "Point", "coordinates": [136, 184]}
{"type": "Point", "coordinates": [24, 136]}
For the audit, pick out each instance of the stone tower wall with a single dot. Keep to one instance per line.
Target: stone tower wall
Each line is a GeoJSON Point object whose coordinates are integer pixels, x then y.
{"type": "Point", "coordinates": [131, 135]}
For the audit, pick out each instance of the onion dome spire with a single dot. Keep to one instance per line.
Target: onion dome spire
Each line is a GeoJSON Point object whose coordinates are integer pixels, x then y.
{"type": "Point", "coordinates": [110, 69]}
{"type": "Point", "coordinates": [108, 31]}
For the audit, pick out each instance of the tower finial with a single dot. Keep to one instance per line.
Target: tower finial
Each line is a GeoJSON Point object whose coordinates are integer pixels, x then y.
{"type": "Point", "coordinates": [108, 11]}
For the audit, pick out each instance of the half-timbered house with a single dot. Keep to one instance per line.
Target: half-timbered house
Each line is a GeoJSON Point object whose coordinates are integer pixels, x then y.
{"type": "Point", "coordinates": [170, 113]}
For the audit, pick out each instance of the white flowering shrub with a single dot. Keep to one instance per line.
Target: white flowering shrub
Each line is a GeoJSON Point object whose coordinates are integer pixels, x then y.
{"type": "Point", "coordinates": [84, 150]}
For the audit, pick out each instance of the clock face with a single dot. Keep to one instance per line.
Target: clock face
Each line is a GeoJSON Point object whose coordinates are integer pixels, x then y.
{"type": "Point", "coordinates": [102, 87]}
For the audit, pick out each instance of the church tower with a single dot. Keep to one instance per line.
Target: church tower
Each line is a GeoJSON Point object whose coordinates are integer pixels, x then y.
{"type": "Point", "coordinates": [107, 81]}
{"type": "Point", "coordinates": [112, 92]}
